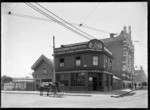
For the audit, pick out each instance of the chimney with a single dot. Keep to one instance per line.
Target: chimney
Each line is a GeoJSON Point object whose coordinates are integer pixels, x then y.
{"type": "Point", "coordinates": [112, 35]}
{"type": "Point", "coordinates": [129, 28]}
{"type": "Point", "coordinates": [125, 29]}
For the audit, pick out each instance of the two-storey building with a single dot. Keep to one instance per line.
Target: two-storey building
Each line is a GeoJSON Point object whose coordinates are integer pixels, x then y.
{"type": "Point", "coordinates": [85, 66]}
{"type": "Point", "coordinates": [43, 70]}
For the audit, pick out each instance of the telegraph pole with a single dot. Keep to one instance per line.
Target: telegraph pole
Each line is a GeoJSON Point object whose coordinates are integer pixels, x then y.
{"type": "Point", "coordinates": [53, 59]}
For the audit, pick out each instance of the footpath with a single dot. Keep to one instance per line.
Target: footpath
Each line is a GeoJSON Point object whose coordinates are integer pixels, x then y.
{"type": "Point", "coordinates": [114, 93]}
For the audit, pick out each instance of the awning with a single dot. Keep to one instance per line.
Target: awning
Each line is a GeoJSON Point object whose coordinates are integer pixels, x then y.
{"type": "Point", "coordinates": [116, 78]}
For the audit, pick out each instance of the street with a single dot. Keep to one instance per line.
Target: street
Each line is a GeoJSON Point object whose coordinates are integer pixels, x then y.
{"type": "Point", "coordinates": [135, 99]}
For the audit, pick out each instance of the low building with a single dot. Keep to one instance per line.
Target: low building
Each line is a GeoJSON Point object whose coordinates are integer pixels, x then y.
{"type": "Point", "coordinates": [23, 84]}
{"type": "Point", "coordinates": [85, 66]}
{"type": "Point", "coordinates": [43, 70]}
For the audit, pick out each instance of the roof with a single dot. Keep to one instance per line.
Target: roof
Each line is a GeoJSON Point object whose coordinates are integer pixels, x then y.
{"type": "Point", "coordinates": [74, 44]}
{"type": "Point", "coordinates": [115, 77]}
{"type": "Point", "coordinates": [42, 57]}
{"type": "Point", "coordinates": [23, 80]}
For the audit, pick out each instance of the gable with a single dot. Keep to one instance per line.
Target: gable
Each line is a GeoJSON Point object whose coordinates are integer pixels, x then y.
{"type": "Point", "coordinates": [41, 59]}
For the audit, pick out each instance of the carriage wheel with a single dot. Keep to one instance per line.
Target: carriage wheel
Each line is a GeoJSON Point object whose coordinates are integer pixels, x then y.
{"type": "Point", "coordinates": [60, 91]}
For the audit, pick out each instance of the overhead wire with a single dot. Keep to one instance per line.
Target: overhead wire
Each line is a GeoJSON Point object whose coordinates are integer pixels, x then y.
{"type": "Point", "coordinates": [44, 19]}
{"type": "Point", "coordinates": [64, 20]}
{"type": "Point", "coordinates": [89, 14]}
{"type": "Point", "coordinates": [14, 7]}
{"type": "Point", "coordinates": [52, 18]}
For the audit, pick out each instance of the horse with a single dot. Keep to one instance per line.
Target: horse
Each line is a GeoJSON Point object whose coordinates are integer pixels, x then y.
{"type": "Point", "coordinates": [51, 87]}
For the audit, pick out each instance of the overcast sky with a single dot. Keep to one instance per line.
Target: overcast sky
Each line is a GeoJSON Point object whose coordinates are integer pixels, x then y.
{"type": "Point", "coordinates": [24, 40]}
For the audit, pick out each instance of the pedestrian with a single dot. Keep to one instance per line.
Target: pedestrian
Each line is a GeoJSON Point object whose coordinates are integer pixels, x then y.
{"type": "Point", "coordinates": [135, 85]}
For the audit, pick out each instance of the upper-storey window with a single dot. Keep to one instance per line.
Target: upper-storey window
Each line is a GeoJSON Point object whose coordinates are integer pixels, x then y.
{"type": "Point", "coordinates": [95, 60]}
{"type": "Point", "coordinates": [110, 65]}
{"type": "Point", "coordinates": [78, 61]}
{"type": "Point", "coordinates": [44, 71]}
{"type": "Point", "coordinates": [106, 62]}
{"type": "Point", "coordinates": [61, 62]}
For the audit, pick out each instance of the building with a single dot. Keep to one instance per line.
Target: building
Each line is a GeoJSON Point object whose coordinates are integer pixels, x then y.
{"type": "Point", "coordinates": [24, 84]}
{"type": "Point", "coordinates": [85, 66]}
{"type": "Point", "coordinates": [139, 76]}
{"type": "Point", "coordinates": [43, 70]}
{"type": "Point", "coordinates": [123, 51]}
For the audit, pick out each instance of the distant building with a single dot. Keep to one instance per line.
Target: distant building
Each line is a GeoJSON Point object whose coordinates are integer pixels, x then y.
{"type": "Point", "coordinates": [24, 84]}
{"type": "Point", "coordinates": [85, 66]}
{"type": "Point", "coordinates": [123, 52]}
{"type": "Point", "coordinates": [139, 76]}
{"type": "Point", "coordinates": [43, 70]}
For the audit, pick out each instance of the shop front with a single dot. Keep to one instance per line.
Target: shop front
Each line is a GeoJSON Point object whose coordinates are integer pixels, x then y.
{"type": "Point", "coordinates": [85, 81]}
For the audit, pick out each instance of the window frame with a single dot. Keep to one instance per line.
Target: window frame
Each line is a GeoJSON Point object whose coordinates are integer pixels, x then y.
{"type": "Point", "coordinates": [95, 60]}
{"type": "Point", "coordinates": [78, 60]}
{"type": "Point", "coordinates": [76, 78]}
{"type": "Point", "coordinates": [61, 63]}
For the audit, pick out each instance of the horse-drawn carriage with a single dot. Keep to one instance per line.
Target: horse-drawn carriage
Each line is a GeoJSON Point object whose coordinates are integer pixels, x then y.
{"type": "Point", "coordinates": [56, 89]}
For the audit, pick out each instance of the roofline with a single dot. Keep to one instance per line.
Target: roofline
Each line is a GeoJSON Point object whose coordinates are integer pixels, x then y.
{"type": "Point", "coordinates": [39, 60]}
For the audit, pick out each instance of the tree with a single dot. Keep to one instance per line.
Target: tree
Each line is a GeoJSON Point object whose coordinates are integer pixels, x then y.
{"type": "Point", "coordinates": [6, 79]}
{"type": "Point", "coordinates": [144, 83]}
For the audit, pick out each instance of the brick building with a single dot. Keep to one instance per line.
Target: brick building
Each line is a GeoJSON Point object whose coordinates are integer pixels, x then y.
{"type": "Point", "coordinates": [85, 66]}
{"type": "Point", "coordinates": [123, 52]}
{"type": "Point", "coordinates": [43, 70]}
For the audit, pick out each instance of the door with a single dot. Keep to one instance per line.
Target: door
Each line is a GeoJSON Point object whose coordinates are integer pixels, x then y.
{"type": "Point", "coordinates": [94, 83]}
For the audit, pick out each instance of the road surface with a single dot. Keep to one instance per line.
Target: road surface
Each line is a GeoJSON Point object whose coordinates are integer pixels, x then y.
{"type": "Point", "coordinates": [136, 99]}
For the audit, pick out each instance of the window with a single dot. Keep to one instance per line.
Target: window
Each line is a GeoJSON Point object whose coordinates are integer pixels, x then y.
{"type": "Point", "coordinates": [61, 62]}
{"type": "Point", "coordinates": [78, 61]}
{"type": "Point", "coordinates": [110, 64]}
{"type": "Point", "coordinates": [44, 70]}
{"type": "Point", "coordinates": [77, 79]}
{"type": "Point", "coordinates": [95, 60]}
{"type": "Point", "coordinates": [106, 62]}
{"type": "Point", "coordinates": [63, 78]}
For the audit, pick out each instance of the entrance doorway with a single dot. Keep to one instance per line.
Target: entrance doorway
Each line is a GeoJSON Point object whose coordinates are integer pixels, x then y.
{"type": "Point", "coordinates": [94, 83]}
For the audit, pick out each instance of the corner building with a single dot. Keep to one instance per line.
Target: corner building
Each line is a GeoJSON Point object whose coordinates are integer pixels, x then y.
{"type": "Point", "coordinates": [85, 66]}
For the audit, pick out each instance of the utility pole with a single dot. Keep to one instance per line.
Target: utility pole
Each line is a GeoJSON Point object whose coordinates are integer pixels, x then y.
{"type": "Point", "coordinates": [53, 59]}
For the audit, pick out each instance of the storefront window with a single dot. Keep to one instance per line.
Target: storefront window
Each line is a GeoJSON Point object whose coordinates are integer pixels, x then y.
{"type": "Point", "coordinates": [77, 79]}
{"type": "Point", "coordinates": [107, 80]}
{"type": "Point", "coordinates": [63, 78]}
{"type": "Point", "coordinates": [95, 60]}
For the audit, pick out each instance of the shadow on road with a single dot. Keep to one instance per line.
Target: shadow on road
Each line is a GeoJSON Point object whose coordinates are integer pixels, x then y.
{"type": "Point", "coordinates": [128, 94]}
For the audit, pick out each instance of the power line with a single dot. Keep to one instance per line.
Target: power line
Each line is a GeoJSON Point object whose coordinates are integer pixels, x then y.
{"type": "Point", "coordinates": [43, 19]}
{"type": "Point", "coordinates": [90, 13]}
{"type": "Point", "coordinates": [47, 15]}
{"type": "Point", "coordinates": [13, 8]}
{"type": "Point", "coordinates": [64, 20]}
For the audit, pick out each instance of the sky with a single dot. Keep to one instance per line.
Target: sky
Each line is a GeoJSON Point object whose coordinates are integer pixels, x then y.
{"type": "Point", "coordinates": [24, 40]}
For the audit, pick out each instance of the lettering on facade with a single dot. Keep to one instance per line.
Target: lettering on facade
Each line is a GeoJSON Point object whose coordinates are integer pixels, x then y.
{"type": "Point", "coordinates": [93, 45]}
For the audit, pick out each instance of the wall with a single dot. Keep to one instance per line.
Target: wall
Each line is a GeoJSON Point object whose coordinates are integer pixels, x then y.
{"type": "Point", "coordinates": [86, 62]}
{"type": "Point", "coordinates": [39, 74]}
